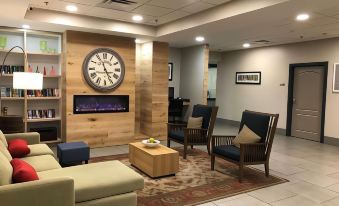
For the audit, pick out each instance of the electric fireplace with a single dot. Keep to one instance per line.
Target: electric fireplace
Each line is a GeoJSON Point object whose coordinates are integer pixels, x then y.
{"type": "Point", "coordinates": [85, 104]}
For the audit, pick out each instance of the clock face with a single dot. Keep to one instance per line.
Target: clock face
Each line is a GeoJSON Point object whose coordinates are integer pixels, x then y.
{"type": "Point", "coordinates": [104, 69]}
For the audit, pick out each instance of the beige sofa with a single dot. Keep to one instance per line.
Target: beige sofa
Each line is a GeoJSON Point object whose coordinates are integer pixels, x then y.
{"type": "Point", "coordinates": [100, 184]}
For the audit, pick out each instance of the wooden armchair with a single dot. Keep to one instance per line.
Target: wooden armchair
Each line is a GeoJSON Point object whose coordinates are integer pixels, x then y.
{"type": "Point", "coordinates": [264, 125]}
{"type": "Point", "coordinates": [187, 136]}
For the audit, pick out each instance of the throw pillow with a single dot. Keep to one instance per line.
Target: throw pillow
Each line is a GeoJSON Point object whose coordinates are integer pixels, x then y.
{"type": "Point", "coordinates": [18, 148]}
{"type": "Point", "coordinates": [23, 172]}
{"type": "Point", "coordinates": [246, 135]}
{"type": "Point", "coordinates": [4, 151]}
{"type": "Point", "coordinates": [3, 139]}
{"type": "Point", "coordinates": [194, 122]}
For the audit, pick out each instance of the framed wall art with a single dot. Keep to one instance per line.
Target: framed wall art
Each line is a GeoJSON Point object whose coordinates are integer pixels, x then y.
{"type": "Point", "coordinates": [248, 77]}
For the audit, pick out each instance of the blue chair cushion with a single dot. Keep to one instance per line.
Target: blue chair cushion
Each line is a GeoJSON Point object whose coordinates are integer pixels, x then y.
{"type": "Point", "coordinates": [258, 123]}
{"type": "Point", "coordinates": [177, 135]}
{"type": "Point", "coordinates": [228, 151]}
{"type": "Point", "coordinates": [203, 111]}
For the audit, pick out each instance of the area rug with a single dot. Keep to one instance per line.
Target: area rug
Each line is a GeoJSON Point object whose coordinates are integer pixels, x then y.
{"type": "Point", "coordinates": [195, 183]}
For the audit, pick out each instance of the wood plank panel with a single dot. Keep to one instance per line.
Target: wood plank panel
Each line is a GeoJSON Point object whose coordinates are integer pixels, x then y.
{"type": "Point", "coordinates": [205, 84]}
{"type": "Point", "coordinates": [98, 130]}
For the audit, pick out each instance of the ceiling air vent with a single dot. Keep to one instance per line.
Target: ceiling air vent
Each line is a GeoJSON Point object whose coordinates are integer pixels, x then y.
{"type": "Point", "coordinates": [262, 41]}
{"type": "Point", "coordinates": [127, 2]}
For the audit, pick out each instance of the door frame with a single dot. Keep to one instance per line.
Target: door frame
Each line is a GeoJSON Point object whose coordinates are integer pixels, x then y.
{"type": "Point", "coordinates": [292, 67]}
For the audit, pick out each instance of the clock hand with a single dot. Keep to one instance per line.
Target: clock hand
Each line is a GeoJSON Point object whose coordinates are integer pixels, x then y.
{"type": "Point", "coordinates": [103, 63]}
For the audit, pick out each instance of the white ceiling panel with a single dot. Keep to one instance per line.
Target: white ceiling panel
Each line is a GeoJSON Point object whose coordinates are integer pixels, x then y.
{"type": "Point", "coordinates": [85, 2]}
{"type": "Point", "coordinates": [196, 7]}
{"type": "Point", "coordinates": [172, 16]}
{"type": "Point", "coordinates": [172, 4]}
{"type": "Point", "coordinates": [216, 2]}
{"type": "Point", "coordinates": [152, 10]}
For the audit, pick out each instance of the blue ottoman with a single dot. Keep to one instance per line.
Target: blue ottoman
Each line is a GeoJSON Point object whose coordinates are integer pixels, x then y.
{"type": "Point", "coordinates": [72, 153]}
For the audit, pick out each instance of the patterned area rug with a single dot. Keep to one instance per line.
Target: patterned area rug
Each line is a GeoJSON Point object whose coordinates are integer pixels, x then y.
{"type": "Point", "coordinates": [195, 183]}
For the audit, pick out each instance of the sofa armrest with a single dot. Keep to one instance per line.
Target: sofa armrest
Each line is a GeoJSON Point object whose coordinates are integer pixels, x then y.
{"type": "Point", "coordinates": [51, 192]}
{"type": "Point", "coordinates": [30, 137]}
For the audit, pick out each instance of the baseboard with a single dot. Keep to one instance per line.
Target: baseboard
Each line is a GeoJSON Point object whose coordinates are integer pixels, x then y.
{"type": "Point", "coordinates": [331, 141]}
{"type": "Point", "coordinates": [234, 123]}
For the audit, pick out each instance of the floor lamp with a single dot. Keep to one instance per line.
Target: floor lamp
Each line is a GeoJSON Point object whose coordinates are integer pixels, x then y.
{"type": "Point", "coordinates": [21, 80]}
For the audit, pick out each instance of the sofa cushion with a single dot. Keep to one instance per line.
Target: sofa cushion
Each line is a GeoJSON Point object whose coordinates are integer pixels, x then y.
{"type": "Point", "coordinates": [23, 172]}
{"type": "Point", "coordinates": [39, 149]}
{"type": "Point", "coordinates": [98, 180]}
{"type": "Point", "coordinates": [18, 148]}
{"type": "Point", "coordinates": [245, 136]}
{"type": "Point", "coordinates": [42, 162]}
{"type": "Point", "coordinates": [3, 139]}
{"type": "Point", "coordinates": [177, 134]}
{"type": "Point", "coordinates": [5, 151]}
{"type": "Point", "coordinates": [230, 151]}
{"type": "Point", "coordinates": [6, 170]}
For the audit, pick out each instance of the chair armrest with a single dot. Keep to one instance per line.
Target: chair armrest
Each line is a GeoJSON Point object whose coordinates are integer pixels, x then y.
{"type": "Point", "coordinates": [30, 137]}
{"type": "Point", "coordinates": [176, 126]}
{"type": "Point", "coordinates": [51, 192]}
{"type": "Point", "coordinates": [196, 135]}
{"type": "Point", "coordinates": [218, 140]}
{"type": "Point", "coordinates": [253, 152]}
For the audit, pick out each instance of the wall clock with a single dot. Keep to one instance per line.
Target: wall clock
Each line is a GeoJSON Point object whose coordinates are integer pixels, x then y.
{"type": "Point", "coordinates": [103, 69]}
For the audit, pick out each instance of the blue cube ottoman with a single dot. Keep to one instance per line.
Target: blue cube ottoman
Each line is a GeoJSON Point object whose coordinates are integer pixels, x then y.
{"type": "Point", "coordinates": [72, 153]}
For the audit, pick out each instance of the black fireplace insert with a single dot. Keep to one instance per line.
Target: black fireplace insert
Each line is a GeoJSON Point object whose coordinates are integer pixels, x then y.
{"type": "Point", "coordinates": [86, 104]}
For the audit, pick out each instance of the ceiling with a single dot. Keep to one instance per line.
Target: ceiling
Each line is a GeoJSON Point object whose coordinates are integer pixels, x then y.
{"type": "Point", "coordinates": [155, 12]}
{"type": "Point", "coordinates": [225, 26]}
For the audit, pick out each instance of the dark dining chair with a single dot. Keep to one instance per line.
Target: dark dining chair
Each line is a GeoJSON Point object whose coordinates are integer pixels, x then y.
{"type": "Point", "coordinates": [198, 136]}
{"type": "Point", "coordinates": [264, 125]}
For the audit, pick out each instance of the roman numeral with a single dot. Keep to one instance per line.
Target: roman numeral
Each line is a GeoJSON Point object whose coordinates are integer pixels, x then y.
{"type": "Point", "coordinates": [115, 76]}
{"type": "Point", "coordinates": [117, 69]}
{"type": "Point", "coordinates": [111, 58]}
{"type": "Point", "coordinates": [94, 62]}
{"type": "Point", "coordinates": [98, 80]}
{"type": "Point", "coordinates": [97, 55]}
{"type": "Point", "coordinates": [116, 63]}
{"type": "Point", "coordinates": [93, 75]}
{"type": "Point", "coordinates": [104, 55]}
{"type": "Point", "coordinates": [92, 68]}
{"type": "Point", "coordinates": [110, 80]}
{"type": "Point", "coordinates": [105, 82]}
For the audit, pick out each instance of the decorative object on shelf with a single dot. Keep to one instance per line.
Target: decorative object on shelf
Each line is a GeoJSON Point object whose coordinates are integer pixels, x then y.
{"type": "Point", "coordinates": [336, 78]}
{"type": "Point", "coordinates": [103, 69]}
{"type": "Point", "coordinates": [40, 113]}
{"type": "Point", "coordinates": [52, 72]}
{"type": "Point", "coordinates": [151, 142]}
{"type": "Point", "coordinates": [248, 78]}
{"type": "Point", "coordinates": [43, 46]}
{"type": "Point", "coordinates": [30, 68]}
{"type": "Point", "coordinates": [37, 69]}
{"type": "Point", "coordinates": [4, 111]}
{"type": "Point", "coordinates": [3, 42]}
{"type": "Point", "coordinates": [45, 73]}
{"type": "Point", "coordinates": [23, 80]}
{"type": "Point", "coordinates": [170, 71]}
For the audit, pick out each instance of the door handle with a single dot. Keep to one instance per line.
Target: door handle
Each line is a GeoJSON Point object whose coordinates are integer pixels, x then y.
{"type": "Point", "coordinates": [294, 100]}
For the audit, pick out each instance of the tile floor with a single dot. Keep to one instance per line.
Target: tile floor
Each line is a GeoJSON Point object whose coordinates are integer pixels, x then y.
{"type": "Point", "coordinates": [312, 169]}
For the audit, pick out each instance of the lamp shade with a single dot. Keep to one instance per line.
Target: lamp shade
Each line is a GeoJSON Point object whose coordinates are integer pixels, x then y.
{"type": "Point", "coordinates": [27, 80]}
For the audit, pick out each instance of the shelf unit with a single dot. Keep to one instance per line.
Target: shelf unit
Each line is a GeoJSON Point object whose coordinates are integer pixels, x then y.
{"type": "Point", "coordinates": [51, 58]}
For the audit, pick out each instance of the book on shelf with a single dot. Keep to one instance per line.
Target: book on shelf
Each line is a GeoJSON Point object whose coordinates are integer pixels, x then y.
{"type": "Point", "coordinates": [49, 92]}
{"type": "Point", "coordinates": [10, 92]}
{"type": "Point", "coordinates": [9, 69]}
{"type": "Point", "coordinates": [40, 113]}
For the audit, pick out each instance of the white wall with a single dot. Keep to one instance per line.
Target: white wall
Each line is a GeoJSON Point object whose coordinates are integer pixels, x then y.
{"type": "Point", "coordinates": [192, 74]}
{"type": "Point", "coordinates": [274, 62]}
{"type": "Point", "coordinates": [175, 58]}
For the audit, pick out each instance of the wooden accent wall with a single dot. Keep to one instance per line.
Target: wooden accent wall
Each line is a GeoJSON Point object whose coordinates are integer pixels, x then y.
{"type": "Point", "coordinates": [98, 130]}
{"type": "Point", "coordinates": [153, 88]}
{"type": "Point", "coordinates": [205, 84]}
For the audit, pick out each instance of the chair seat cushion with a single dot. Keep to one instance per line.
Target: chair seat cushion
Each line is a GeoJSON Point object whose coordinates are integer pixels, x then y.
{"type": "Point", "coordinates": [42, 162]}
{"type": "Point", "coordinates": [98, 180]}
{"type": "Point", "coordinates": [177, 135]}
{"type": "Point", "coordinates": [39, 149]}
{"type": "Point", "coordinates": [229, 151]}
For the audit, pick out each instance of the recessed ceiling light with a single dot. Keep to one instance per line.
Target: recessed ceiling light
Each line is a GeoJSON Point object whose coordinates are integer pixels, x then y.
{"type": "Point", "coordinates": [137, 18]}
{"type": "Point", "coordinates": [71, 8]}
{"type": "Point", "coordinates": [137, 41]}
{"type": "Point", "coordinates": [26, 26]}
{"type": "Point", "coordinates": [302, 17]}
{"type": "Point", "coordinates": [246, 45]}
{"type": "Point", "coordinates": [199, 38]}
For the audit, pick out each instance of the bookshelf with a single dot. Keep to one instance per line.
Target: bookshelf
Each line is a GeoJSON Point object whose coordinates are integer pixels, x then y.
{"type": "Point", "coordinates": [39, 109]}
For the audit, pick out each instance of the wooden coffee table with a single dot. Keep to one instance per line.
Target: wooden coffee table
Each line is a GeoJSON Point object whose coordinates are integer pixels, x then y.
{"type": "Point", "coordinates": [155, 162]}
